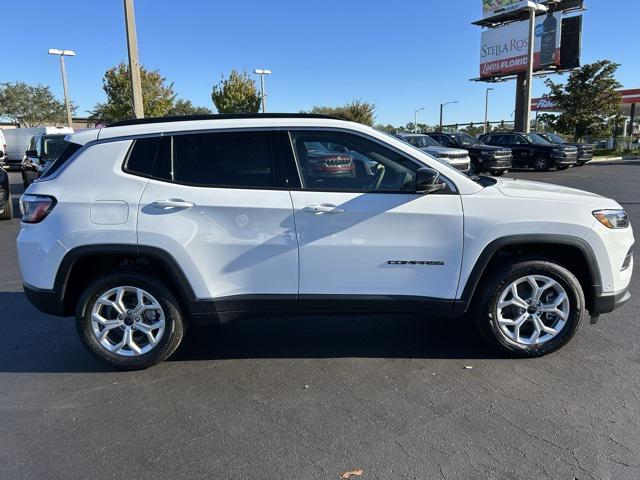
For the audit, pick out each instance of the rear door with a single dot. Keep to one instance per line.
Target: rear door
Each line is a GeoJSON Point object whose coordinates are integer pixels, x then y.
{"type": "Point", "coordinates": [520, 148]}
{"type": "Point", "coordinates": [365, 237]}
{"type": "Point", "coordinates": [218, 203]}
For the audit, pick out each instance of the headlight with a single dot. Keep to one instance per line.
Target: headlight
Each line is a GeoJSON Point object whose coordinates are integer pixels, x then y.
{"type": "Point", "coordinates": [614, 219]}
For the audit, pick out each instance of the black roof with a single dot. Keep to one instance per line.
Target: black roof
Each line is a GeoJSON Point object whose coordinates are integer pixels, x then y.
{"type": "Point", "coordinates": [220, 116]}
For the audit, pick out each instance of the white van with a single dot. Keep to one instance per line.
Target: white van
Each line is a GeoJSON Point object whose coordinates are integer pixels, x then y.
{"type": "Point", "coordinates": [17, 140]}
{"type": "Point", "coordinates": [3, 148]}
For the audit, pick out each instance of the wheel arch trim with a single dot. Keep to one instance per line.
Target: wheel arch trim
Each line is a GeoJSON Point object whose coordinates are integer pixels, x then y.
{"type": "Point", "coordinates": [488, 253]}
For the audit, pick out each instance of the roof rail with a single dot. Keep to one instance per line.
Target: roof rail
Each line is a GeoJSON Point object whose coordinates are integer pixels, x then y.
{"type": "Point", "coordinates": [220, 116]}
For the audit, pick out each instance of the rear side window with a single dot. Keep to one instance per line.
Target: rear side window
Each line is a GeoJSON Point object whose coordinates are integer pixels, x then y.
{"type": "Point", "coordinates": [149, 157]}
{"type": "Point", "coordinates": [225, 159]}
{"type": "Point", "coordinates": [68, 151]}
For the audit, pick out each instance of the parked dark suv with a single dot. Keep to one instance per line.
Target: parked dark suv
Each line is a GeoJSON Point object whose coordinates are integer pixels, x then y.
{"type": "Point", "coordinates": [484, 158]}
{"type": "Point", "coordinates": [585, 150]}
{"type": "Point", "coordinates": [531, 150]}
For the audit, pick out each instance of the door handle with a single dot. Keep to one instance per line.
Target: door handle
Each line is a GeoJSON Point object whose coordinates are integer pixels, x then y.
{"type": "Point", "coordinates": [172, 203]}
{"type": "Point", "coordinates": [323, 208]}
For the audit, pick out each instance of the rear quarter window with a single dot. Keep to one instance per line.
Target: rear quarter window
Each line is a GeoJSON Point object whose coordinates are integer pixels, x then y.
{"type": "Point", "coordinates": [67, 153]}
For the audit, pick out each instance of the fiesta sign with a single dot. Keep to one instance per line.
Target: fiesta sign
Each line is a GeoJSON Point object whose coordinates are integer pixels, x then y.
{"type": "Point", "coordinates": [504, 50]}
{"type": "Point", "coordinates": [491, 8]}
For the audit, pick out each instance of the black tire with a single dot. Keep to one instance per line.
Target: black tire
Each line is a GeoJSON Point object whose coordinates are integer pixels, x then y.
{"type": "Point", "coordinates": [581, 164]}
{"type": "Point", "coordinates": [7, 214]}
{"type": "Point", "coordinates": [474, 167]}
{"type": "Point", "coordinates": [175, 325]}
{"type": "Point", "coordinates": [563, 167]}
{"type": "Point", "coordinates": [485, 311]}
{"type": "Point", "coordinates": [499, 173]}
{"type": "Point", "coordinates": [541, 163]}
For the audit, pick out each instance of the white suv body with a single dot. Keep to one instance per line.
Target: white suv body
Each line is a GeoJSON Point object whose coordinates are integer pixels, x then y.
{"type": "Point", "coordinates": [235, 215]}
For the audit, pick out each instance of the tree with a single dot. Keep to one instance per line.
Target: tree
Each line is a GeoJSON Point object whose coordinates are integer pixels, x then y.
{"type": "Point", "coordinates": [355, 111]}
{"type": "Point", "coordinates": [236, 94]}
{"type": "Point", "coordinates": [31, 105]}
{"type": "Point", "coordinates": [474, 129]}
{"type": "Point", "coordinates": [589, 102]}
{"type": "Point", "coordinates": [185, 107]}
{"type": "Point", "coordinates": [157, 95]}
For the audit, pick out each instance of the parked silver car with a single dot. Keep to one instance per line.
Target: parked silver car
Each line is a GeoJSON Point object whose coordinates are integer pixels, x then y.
{"type": "Point", "coordinates": [455, 157]}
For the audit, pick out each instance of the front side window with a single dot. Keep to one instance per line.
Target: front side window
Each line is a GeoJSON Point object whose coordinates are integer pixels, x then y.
{"type": "Point", "coordinates": [345, 162]}
{"type": "Point", "coordinates": [224, 159]}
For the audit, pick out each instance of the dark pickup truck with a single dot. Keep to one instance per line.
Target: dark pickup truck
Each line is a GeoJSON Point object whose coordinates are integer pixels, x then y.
{"type": "Point", "coordinates": [531, 150]}
{"type": "Point", "coordinates": [585, 150]}
{"type": "Point", "coordinates": [484, 158]}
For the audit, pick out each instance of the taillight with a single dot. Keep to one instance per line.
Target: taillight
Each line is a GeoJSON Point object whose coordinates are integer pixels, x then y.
{"type": "Point", "coordinates": [34, 208]}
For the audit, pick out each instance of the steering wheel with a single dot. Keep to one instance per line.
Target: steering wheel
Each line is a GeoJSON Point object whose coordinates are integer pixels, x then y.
{"type": "Point", "coordinates": [379, 175]}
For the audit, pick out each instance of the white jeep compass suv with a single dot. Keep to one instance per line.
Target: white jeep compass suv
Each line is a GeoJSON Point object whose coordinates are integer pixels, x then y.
{"type": "Point", "coordinates": [144, 226]}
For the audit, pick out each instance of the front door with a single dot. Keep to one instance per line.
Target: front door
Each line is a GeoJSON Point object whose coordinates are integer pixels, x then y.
{"type": "Point", "coordinates": [363, 232]}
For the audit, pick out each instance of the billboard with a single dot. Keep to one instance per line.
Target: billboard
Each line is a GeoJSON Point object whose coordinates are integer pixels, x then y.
{"type": "Point", "coordinates": [491, 8]}
{"type": "Point", "coordinates": [505, 50]}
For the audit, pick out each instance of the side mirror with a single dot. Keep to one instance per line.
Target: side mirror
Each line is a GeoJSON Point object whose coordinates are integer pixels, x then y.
{"type": "Point", "coordinates": [32, 153]}
{"type": "Point", "coordinates": [428, 181]}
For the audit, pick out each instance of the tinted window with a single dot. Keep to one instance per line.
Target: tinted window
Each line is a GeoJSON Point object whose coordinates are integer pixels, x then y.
{"type": "Point", "coordinates": [341, 161]}
{"type": "Point", "coordinates": [224, 159]}
{"type": "Point", "coordinates": [64, 156]}
{"type": "Point", "coordinates": [142, 156]}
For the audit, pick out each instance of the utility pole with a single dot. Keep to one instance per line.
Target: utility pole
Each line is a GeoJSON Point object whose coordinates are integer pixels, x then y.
{"type": "Point", "coordinates": [526, 119]}
{"type": "Point", "coordinates": [486, 110]}
{"type": "Point", "coordinates": [134, 62]}
{"type": "Point", "coordinates": [442, 105]}
{"type": "Point", "coordinates": [415, 119]}
{"type": "Point", "coordinates": [263, 95]}
{"type": "Point", "coordinates": [62, 54]}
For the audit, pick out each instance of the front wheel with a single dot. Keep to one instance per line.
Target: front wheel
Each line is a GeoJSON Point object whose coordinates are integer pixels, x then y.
{"type": "Point", "coordinates": [474, 168]}
{"type": "Point", "coordinates": [562, 167]}
{"type": "Point", "coordinates": [530, 308]}
{"type": "Point", "coordinates": [7, 213]}
{"type": "Point", "coordinates": [541, 163]}
{"type": "Point", "coordinates": [129, 320]}
{"type": "Point", "coordinates": [499, 173]}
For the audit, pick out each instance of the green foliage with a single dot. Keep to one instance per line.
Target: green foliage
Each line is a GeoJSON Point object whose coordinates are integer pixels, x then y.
{"type": "Point", "coordinates": [589, 102]}
{"type": "Point", "coordinates": [157, 95]}
{"type": "Point", "coordinates": [236, 94]}
{"type": "Point", "coordinates": [355, 111]}
{"type": "Point", "coordinates": [31, 105]}
{"type": "Point", "coordinates": [386, 128]}
{"type": "Point", "coordinates": [185, 107]}
{"type": "Point", "coordinates": [473, 130]}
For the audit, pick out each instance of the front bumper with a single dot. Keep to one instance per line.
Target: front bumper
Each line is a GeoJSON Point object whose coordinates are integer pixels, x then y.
{"type": "Point", "coordinates": [493, 164]}
{"type": "Point", "coordinates": [608, 303]}
{"type": "Point", "coordinates": [565, 159]}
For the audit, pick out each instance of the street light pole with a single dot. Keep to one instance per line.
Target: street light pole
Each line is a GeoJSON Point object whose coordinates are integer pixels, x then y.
{"type": "Point", "coordinates": [134, 62]}
{"type": "Point", "coordinates": [415, 119]}
{"type": "Point", "coordinates": [486, 110]}
{"type": "Point", "coordinates": [62, 54]}
{"type": "Point", "coordinates": [442, 105]}
{"type": "Point", "coordinates": [528, 87]}
{"type": "Point", "coordinates": [262, 72]}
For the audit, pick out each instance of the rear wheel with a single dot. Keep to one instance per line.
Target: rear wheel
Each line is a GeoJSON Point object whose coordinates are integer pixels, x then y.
{"type": "Point", "coordinates": [530, 308]}
{"type": "Point", "coordinates": [129, 320]}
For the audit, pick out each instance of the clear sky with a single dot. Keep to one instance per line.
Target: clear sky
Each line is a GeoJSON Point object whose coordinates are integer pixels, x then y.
{"type": "Point", "coordinates": [398, 55]}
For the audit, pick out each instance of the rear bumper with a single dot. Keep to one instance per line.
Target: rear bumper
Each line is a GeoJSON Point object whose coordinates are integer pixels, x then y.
{"type": "Point", "coordinates": [608, 303]}
{"type": "Point", "coordinates": [47, 301]}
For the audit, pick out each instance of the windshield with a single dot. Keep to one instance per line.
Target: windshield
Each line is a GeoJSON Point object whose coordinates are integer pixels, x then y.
{"type": "Point", "coordinates": [535, 139]}
{"type": "Point", "coordinates": [421, 141]}
{"type": "Point", "coordinates": [467, 140]}
{"type": "Point", "coordinates": [553, 138]}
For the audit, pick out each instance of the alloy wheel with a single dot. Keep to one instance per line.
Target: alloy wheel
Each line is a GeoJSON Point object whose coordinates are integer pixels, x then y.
{"type": "Point", "coordinates": [532, 310]}
{"type": "Point", "coordinates": [127, 321]}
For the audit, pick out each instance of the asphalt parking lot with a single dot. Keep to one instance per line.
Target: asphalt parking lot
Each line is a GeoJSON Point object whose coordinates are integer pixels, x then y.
{"type": "Point", "coordinates": [310, 398]}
